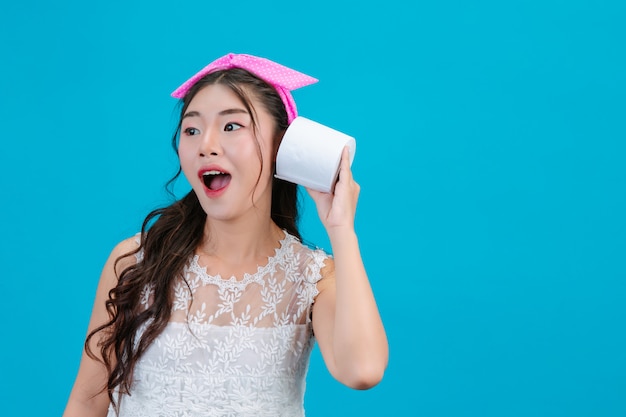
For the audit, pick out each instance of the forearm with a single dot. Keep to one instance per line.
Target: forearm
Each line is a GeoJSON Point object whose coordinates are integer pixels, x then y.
{"type": "Point", "coordinates": [360, 346]}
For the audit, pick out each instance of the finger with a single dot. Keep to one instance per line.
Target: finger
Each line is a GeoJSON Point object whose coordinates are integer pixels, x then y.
{"type": "Point", "coordinates": [311, 192]}
{"type": "Point", "coordinates": [315, 195]}
{"type": "Point", "coordinates": [344, 168]}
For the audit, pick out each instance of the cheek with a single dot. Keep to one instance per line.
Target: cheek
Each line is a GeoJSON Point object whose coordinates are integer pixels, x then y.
{"type": "Point", "coordinates": [267, 149]}
{"type": "Point", "coordinates": [185, 157]}
{"type": "Point", "coordinates": [243, 153]}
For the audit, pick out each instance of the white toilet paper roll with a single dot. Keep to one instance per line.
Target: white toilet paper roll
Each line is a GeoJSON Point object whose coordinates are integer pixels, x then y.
{"type": "Point", "coordinates": [310, 153]}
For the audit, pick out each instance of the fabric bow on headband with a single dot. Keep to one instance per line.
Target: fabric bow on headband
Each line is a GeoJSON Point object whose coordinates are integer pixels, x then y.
{"type": "Point", "coordinates": [283, 79]}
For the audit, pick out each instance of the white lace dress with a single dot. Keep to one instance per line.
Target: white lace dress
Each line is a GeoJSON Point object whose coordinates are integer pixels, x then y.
{"type": "Point", "coordinates": [237, 348]}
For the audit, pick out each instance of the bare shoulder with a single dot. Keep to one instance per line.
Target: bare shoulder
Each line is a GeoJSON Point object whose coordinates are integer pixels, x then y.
{"type": "Point", "coordinates": [121, 257]}
{"type": "Point", "coordinates": [127, 246]}
{"type": "Point", "coordinates": [124, 254]}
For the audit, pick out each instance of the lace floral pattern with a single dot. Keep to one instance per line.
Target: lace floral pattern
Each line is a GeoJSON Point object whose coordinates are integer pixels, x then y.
{"type": "Point", "coordinates": [232, 347]}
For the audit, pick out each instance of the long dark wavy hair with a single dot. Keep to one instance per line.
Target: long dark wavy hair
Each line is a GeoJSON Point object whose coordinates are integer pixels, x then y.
{"type": "Point", "coordinates": [169, 237]}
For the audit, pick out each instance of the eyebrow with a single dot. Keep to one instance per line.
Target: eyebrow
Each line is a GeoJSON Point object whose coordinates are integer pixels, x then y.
{"type": "Point", "coordinates": [221, 113]}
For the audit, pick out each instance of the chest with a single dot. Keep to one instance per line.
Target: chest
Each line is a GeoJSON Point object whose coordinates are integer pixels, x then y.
{"type": "Point", "coordinates": [279, 294]}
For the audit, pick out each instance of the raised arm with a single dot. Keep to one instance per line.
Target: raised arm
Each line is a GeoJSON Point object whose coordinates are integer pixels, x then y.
{"type": "Point", "coordinates": [346, 321]}
{"type": "Point", "coordinates": [88, 397]}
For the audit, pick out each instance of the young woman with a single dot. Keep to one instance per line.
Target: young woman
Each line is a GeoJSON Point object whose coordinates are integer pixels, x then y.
{"type": "Point", "coordinates": [213, 309]}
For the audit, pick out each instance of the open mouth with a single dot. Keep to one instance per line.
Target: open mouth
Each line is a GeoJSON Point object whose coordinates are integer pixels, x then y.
{"type": "Point", "coordinates": [215, 180]}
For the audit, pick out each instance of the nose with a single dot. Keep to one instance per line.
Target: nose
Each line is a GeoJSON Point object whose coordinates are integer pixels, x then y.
{"type": "Point", "coordinates": [210, 143]}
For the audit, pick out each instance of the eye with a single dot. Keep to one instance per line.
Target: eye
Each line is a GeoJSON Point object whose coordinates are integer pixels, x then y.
{"type": "Point", "coordinates": [191, 131]}
{"type": "Point", "coordinates": [232, 126]}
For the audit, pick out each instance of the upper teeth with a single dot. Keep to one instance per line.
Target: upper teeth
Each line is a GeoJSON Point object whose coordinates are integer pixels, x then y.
{"type": "Point", "coordinates": [212, 172]}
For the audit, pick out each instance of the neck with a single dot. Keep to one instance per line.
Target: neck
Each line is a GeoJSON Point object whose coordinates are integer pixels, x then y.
{"type": "Point", "coordinates": [237, 242]}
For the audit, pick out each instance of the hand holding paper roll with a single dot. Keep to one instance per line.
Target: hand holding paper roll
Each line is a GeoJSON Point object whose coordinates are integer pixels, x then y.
{"type": "Point", "coordinates": [337, 210]}
{"type": "Point", "coordinates": [310, 154]}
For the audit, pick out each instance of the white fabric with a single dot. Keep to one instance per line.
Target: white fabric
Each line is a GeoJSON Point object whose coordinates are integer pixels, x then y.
{"type": "Point", "coordinates": [232, 347]}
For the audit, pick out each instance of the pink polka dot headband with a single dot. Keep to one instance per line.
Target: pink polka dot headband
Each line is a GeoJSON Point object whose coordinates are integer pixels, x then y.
{"type": "Point", "coordinates": [283, 79]}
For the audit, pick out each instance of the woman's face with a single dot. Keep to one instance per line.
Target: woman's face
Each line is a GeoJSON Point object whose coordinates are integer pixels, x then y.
{"type": "Point", "coordinates": [220, 153]}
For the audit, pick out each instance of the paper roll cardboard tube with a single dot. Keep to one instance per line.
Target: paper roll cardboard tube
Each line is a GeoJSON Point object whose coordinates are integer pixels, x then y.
{"type": "Point", "coordinates": [310, 153]}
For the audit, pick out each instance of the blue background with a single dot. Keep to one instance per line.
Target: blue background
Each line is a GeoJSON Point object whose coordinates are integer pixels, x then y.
{"type": "Point", "coordinates": [491, 157]}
